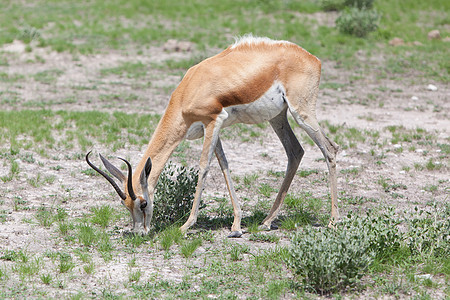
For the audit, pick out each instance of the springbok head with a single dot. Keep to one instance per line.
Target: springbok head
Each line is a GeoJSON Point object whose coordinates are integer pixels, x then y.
{"type": "Point", "coordinates": [139, 205]}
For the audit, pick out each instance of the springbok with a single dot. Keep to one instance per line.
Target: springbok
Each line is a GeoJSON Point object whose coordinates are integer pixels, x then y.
{"type": "Point", "coordinates": [252, 81]}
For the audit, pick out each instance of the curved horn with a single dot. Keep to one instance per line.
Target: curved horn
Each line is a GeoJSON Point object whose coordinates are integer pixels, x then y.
{"type": "Point", "coordinates": [110, 180]}
{"type": "Point", "coordinates": [130, 180]}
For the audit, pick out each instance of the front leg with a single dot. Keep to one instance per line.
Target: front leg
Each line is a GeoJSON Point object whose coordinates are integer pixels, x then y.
{"type": "Point", "coordinates": [236, 230]}
{"type": "Point", "coordinates": [209, 144]}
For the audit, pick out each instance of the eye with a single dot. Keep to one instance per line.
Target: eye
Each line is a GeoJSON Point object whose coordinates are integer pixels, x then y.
{"type": "Point", "coordinates": [143, 205]}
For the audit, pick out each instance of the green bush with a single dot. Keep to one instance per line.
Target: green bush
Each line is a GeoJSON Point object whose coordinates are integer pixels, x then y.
{"type": "Point", "coordinates": [357, 22]}
{"type": "Point", "coordinates": [174, 195]}
{"type": "Point", "coordinates": [328, 260]}
{"type": "Point", "coordinates": [428, 235]}
{"type": "Point", "coordinates": [336, 5]}
{"type": "Point", "coordinates": [332, 5]}
{"type": "Point", "coordinates": [361, 4]}
{"type": "Point", "coordinates": [382, 232]}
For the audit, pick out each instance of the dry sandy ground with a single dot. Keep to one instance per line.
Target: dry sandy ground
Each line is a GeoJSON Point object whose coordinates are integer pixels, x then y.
{"type": "Point", "coordinates": [369, 102]}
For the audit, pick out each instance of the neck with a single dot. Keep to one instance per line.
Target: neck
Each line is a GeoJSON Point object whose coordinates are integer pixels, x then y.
{"type": "Point", "coordinates": [168, 134]}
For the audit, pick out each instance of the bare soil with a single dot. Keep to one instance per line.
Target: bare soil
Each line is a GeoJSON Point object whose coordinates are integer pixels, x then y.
{"type": "Point", "coordinates": [369, 102]}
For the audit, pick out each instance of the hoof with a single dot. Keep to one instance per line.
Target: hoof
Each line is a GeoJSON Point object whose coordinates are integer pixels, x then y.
{"type": "Point", "coordinates": [235, 234]}
{"type": "Point", "coordinates": [264, 227]}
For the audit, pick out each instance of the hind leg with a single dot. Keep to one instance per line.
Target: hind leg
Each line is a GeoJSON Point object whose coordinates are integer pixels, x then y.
{"type": "Point", "coordinates": [308, 122]}
{"type": "Point", "coordinates": [294, 153]}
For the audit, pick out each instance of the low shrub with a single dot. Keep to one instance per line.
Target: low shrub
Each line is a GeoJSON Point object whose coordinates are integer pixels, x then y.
{"type": "Point", "coordinates": [361, 4]}
{"type": "Point", "coordinates": [332, 5]}
{"type": "Point", "coordinates": [382, 232]}
{"type": "Point", "coordinates": [357, 22]}
{"type": "Point", "coordinates": [328, 260]}
{"type": "Point", "coordinates": [336, 5]}
{"type": "Point", "coordinates": [428, 235]}
{"type": "Point", "coordinates": [174, 195]}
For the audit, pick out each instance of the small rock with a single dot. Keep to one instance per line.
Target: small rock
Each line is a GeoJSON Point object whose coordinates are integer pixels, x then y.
{"type": "Point", "coordinates": [432, 87]}
{"type": "Point", "coordinates": [434, 35]}
{"type": "Point", "coordinates": [396, 42]}
{"type": "Point", "coordinates": [414, 98]}
{"type": "Point", "coordinates": [177, 46]}
{"type": "Point", "coordinates": [424, 276]}
{"type": "Point", "coordinates": [170, 45]}
{"type": "Point", "coordinates": [397, 146]}
{"type": "Point", "coordinates": [417, 43]}
{"type": "Point", "coordinates": [446, 39]}
{"type": "Point", "coordinates": [419, 151]}
{"type": "Point", "coordinates": [185, 46]}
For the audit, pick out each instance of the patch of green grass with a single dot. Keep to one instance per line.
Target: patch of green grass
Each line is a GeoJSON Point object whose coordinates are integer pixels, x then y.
{"type": "Point", "coordinates": [28, 268]}
{"type": "Point", "coordinates": [266, 190]}
{"type": "Point", "coordinates": [46, 278]}
{"type": "Point", "coordinates": [263, 237]}
{"type": "Point", "coordinates": [206, 23]}
{"type": "Point", "coordinates": [247, 180]}
{"type": "Point", "coordinates": [42, 126]}
{"type": "Point", "coordinates": [14, 171]}
{"type": "Point", "coordinates": [388, 184]}
{"type": "Point", "coordinates": [306, 173]}
{"type": "Point", "coordinates": [352, 171]}
{"type": "Point", "coordinates": [48, 76]}
{"type": "Point", "coordinates": [40, 180]}
{"type": "Point", "coordinates": [169, 236]}
{"type": "Point", "coordinates": [13, 255]}
{"type": "Point", "coordinates": [237, 250]}
{"type": "Point", "coordinates": [102, 215]}
{"type": "Point", "coordinates": [188, 247]}
{"type": "Point", "coordinates": [296, 219]}
{"type": "Point", "coordinates": [87, 235]}
{"type": "Point", "coordinates": [134, 276]}
{"type": "Point", "coordinates": [432, 165]}
{"type": "Point", "coordinates": [127, 69]}
{"type": "Point", "coordinates": [275, 289]}
{"type": "Point", "coordinates": [136, 240]}
{"type": "Point", "coordinates": [89, 268]}
{"type": "Point", "coordinates": [10, 78]}
{"type": "Point", "coordinates": [65, 263]}
{"type": "Point", "coordinates": [44, 216]}
{"type": "Point", "coordinates": [332, 85]}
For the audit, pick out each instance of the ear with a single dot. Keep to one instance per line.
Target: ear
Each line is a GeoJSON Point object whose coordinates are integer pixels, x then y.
{"type": "Point", "coordinates": [113, 170]}
{"type": "Point", "coordinates": [145, 173]}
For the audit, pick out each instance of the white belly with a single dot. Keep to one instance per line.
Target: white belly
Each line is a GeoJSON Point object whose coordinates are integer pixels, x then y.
{"type": "Point", "coordinates": [261, 110]}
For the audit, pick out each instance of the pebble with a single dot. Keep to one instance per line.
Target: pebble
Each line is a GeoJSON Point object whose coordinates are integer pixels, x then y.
{"type": "Point", "coordinates": [396, 42]}
{"type": "Point", "coordinates": [414, 98]}
{"type": "Point", "coordinates": [177, 46]}
{"type": "Point", "coordinates": [434, 35]}
{"type": "Point", "coordinates": [432, 87]}
{"type": "Point", "coordinates": [424, 276]}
